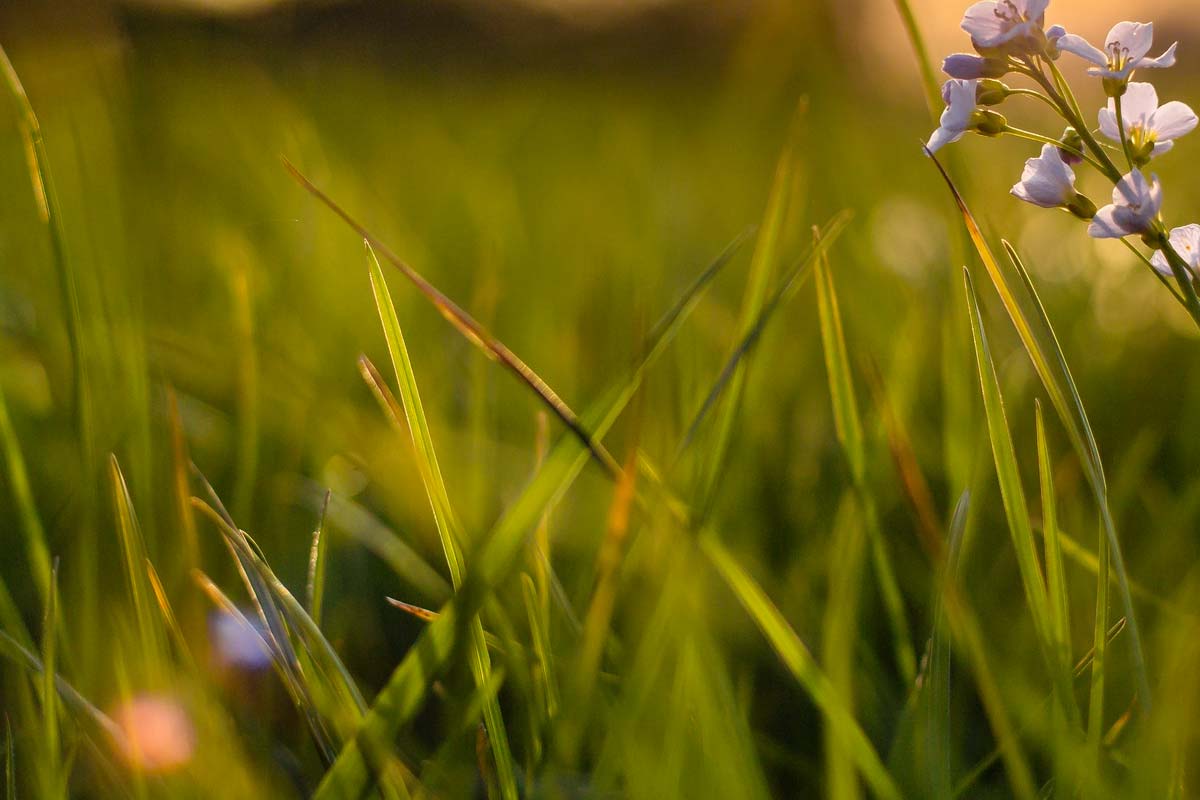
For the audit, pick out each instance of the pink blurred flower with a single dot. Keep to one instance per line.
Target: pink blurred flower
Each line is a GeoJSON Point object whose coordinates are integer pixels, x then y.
{"type": "Point", "coordinates": [159, 736]}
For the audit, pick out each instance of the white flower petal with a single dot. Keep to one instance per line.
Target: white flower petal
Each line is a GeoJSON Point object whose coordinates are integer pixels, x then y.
{"type": "Point", "coordinates": [984, 25]}
{"type": "Point", "coordinates": [1077, 45]}
{"type": "Point", "coordinates": [1186, 241]}
{"type": "Point", "coordinates": [1104, 225]}
{"type": "Point", "coordinates": [1108, 122]}
{"type": "Point", "coordinates": [1159, 262]}
{"type": "Point", "coordinates": [1135, 38]}
{"type": "Point", "coordinates": [1167, 59]}
{"type": "Point", "coordinates": [1173, 120]}
{"type": "Point", "coordinates": [1032, 9]}
{"type": "Point", "coordinates": [1139, 104]}
{"type": "Point", "coordinates": [1161, 147]}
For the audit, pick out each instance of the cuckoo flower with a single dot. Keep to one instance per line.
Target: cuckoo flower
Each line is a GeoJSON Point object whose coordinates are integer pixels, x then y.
{"type": "Point", "coordinates": [957, 118]}
{"type": "Point", "coordinates": [1186, 242]}
{"type": "Point", "coordinates": [1151, 128]}
{"type": "Point", "coordinates": [1047, 181]}
{"type": "Point", "coordinates": [1008, 24]}
{"type": "Point", "coordinates": [1135, 206]}
{"type": "Point", "coordinates": [1125, 50]}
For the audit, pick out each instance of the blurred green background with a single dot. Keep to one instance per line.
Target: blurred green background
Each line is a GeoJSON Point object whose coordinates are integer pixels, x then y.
{"type": "Point", "coordinates": [563, 176]}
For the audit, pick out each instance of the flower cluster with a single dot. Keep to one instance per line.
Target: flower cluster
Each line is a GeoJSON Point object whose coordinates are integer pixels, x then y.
{"type": "Point", "coordinates": [1010, 37]}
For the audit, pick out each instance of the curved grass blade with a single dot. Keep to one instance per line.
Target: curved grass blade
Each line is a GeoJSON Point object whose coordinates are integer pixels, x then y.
{"type": "Point", "coordinates": [448, 527]}
{"type": "Point", "coordinates": [1059, 384]}
{"type": "Point", "coordinates": [315, 588]}
{"type": "Point", "coordinates": [133, 548]}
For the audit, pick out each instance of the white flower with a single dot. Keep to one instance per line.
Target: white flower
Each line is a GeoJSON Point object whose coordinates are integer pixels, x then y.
{"type": "Point", "coordinates": [1135, 206]}
{"type": "Point", "coordinates": [996, 23]}
{"type": "Point", "coordinates": [1186, 242]}
{"type": "Point", "coordinates": [1151, 129]}
{"type": "Point", "coordinates": [1125, 50]}
{"type": "Point", "coordinates": [956, 119]}
{"type": "Point", "coordinates": [1047, 181]}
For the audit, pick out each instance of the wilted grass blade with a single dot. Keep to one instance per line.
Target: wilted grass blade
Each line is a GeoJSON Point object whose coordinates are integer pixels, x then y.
{"type": "Point", "coordinates": [1015, 508]}
{"type": "Point", "coordinates": [467, 325]}
{"type": "Point", "coordinates": [800, 663]}
{"type": "Point", "coordinates": [447, 524]}
{"type": "Point", "coordinates": [848, 425]}
{"type": "Point", "coordinates": [1072, 414]}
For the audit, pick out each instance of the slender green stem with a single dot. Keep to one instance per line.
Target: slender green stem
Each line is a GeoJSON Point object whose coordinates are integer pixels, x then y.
{"type": "Point", "coordinates": [1068, 106]}
{"type": "Point", "coordinates": [1181, 270]}
{"type": "Point", "coordinates": [1121, 129]}
{"type": "Point", "coordinates": [1034, 94]}
{"type": "Point", "coordinates": [1154, 271]}
{"type": "Point", "coordinates": [1037, 137]}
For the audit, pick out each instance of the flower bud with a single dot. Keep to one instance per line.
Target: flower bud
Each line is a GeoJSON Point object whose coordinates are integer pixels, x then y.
{"type": "Point", "coordinates": [988, 122]}
{"type": "Point", "coordinates": [1081, 207]}
{"type": "Point", "coordinates": [1114, 87]}
{"type": "Point", "coordinates": [1072, 145]}
{"type": "Point", "coordinates": [991, 92]}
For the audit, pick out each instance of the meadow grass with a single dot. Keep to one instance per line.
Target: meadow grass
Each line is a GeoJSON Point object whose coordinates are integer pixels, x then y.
{"type": "Point", "coordinates": [731, 461]}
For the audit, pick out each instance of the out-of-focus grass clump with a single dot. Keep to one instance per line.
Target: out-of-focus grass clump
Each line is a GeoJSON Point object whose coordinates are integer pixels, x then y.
{"type": "Point", "coordinates": [725, 535]}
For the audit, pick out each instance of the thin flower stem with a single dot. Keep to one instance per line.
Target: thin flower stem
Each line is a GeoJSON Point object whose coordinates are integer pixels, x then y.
{"type": "Point", "coordinates": [1069, 107]}
{"type": "Point", "coordinates": [1183, 273]}
{"type": "Point", "coordinates": [1021, 133]}
{"type": "Point", "coordinates": [1032, 93]}
{"type": "Point", "coordinates": [1161, 278]}
{"type": "Point", "coordinates": [1121, 129]}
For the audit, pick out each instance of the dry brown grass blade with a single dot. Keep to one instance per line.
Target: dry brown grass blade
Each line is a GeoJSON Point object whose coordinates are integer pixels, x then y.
{"type": "Point", "coordinates": [469, 327]}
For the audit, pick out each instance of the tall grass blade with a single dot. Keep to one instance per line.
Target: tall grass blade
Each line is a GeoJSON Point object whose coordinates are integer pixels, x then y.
{"type": "Point", "coordinates": [50, 766]}
{"type": "Point", "coordinates": [848, 425]}
{"type": "Point", "coordinates": [1059, 385]}
{"type": "Point", "coordinates": [1056, 581]}
{"type": "Point", "coordinates": [315, 588]}
{"type": "Point", "coordinates": [800, 662]}
{"type": "Point", "coordinates": [929, 80]}
{"type": "Point", "coordinates": [763, 266]}
{"type": "Point", "coordinates": [791, 283]}
{"type": "Point", "coordinates": [1015, 508]}
{"type": "Point", "coordinates": [38, 552]}
{"type": "Point", "coordinates": [449, 530]}
{"type": "Point", "coordinates": [133, 549]}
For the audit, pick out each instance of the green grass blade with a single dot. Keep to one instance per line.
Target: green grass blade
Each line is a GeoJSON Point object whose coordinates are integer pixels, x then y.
{"type": "Point", "coordinates": [800, 662]}
{"type": "Point", "coordinates": [1015, 508]}
{"type": "Point", "coordinates": [10, 761]}
{"type": "Point", "coordinates": [929, 79]}
{"type": "Point", "coordinates": [763, 266]}
{"type": "Point", "coordinates": [315, 588]}
{"type": "Point", "coordinates": [787, 288]}
{"type": "Point", "coordinates": [1056, 581]}
{"type": "Point", "coordinates": [1059, 384]}
{"type": "Point", "coordinates": [848, 426]}
{"type": "Point", "coordinates": [1095, 721]}
{"type": "Point", "coordinates": [133, 549]}
{"type": "Point", "coordinates": [38, 552]}
{"type": "Point", "coordinates": [448, 528]}
{"type": "Point", "coordinates": [51, 765]}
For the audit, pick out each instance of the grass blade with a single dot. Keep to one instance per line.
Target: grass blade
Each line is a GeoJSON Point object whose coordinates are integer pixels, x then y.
{"type": "Point", "coordinates": [1015, 508]}
{"type": "Point", "coordinates": [447, 524]}
{"type": "Point", "coordinates": [38, 552]}
{"type": "Point", "coordinates": [316, 565]}
{"type": "Point", "coordinates": [133, 548]}
{"type": "Point", "coordinates": [848, 425]}
{"type": "Point", "coordinates": [1060, 614]}
{"type": "Point", "coordinates": [1060, 384]}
